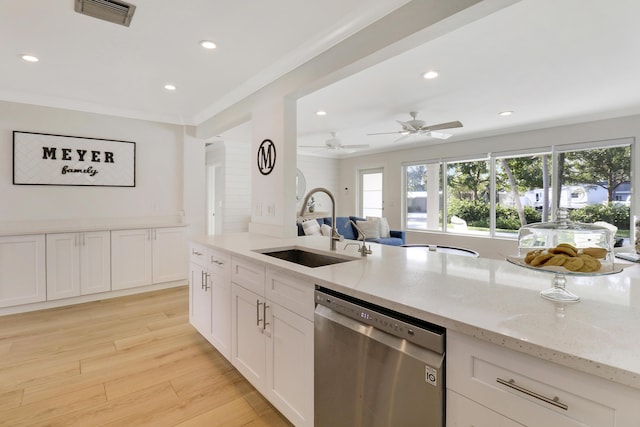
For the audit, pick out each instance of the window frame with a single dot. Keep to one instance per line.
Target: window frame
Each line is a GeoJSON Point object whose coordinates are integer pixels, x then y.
{"type": "Point", "coordinates": [554, 150]}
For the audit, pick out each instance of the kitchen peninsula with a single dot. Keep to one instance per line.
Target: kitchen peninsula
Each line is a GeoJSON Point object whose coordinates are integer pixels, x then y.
{"type": "Point", "coordinates": [488, 304]}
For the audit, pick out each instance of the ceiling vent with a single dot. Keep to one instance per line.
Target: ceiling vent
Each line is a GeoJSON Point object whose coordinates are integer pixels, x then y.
{"type": "Point", "coordinates": [117, 12]}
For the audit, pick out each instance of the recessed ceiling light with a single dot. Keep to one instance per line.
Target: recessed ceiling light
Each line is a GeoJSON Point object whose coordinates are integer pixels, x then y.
{"type": "Point", "coordinates": [505, 113]}
{"type": "Point", "coordinates": [29, 58]}
{"type": "Point", "coordinates": [170, 87]}
{"type": "Point", "coordinates": [430, 74]}
{"type": "Point", "coordinates": [321, 113]}
{"type": "Point", "coordinates": [208, 44]}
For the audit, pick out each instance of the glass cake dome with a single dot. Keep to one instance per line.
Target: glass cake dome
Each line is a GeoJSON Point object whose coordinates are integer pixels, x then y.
{"type": "Point", "coordinates": [565, 248]}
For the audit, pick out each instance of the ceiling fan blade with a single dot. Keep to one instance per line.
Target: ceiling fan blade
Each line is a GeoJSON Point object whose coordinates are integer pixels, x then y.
{"type": "Point", "coordinates": [439, 135]}
{"type": "Point", "coordinates": [355, 146]}
{"type": "Point", "coordinates": [311, 146]}
{"type": "Point", "coordinates": [385, 133]}
{"type": "Point", "coordinates": [448, 125]}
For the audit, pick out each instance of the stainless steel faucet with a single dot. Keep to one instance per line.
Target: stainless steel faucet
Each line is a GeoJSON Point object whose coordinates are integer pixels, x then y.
{"type": "Point", "coordinates": [335, 236]}
{"type": "Point", "coordinates": [364, 251]}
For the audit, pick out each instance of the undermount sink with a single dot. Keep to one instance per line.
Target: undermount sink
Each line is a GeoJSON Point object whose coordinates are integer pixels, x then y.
{"type": "Point", "coordinates": [303, 257]}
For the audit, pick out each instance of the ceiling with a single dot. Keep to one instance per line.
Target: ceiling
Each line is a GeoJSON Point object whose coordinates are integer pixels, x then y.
{"type": "Point", "coordinates": [92, 65]}
{"type": "Point", "coordinates": [551, 62]}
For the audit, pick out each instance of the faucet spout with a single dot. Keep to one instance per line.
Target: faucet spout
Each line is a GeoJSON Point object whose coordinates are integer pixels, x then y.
{"type": "Point", "coordinates": [335, 236]}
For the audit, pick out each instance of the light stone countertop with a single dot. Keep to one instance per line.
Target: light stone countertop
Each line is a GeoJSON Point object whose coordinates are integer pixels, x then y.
{"type": "Point", "coordinates": [493, 300]}
{"type": "Point", "coordinates": [14, 228]}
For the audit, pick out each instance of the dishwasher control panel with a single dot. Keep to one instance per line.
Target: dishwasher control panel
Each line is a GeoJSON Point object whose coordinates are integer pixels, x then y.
{"type": "Point", "coordinates": [399, 325]}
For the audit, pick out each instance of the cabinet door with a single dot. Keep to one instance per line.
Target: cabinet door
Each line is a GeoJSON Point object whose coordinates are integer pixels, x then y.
{"type": "Point", "coordinates": [463, 412]}
{"type": "Point", "coordinates": [130, 258]}
{"type": "Point", "coordinates": [95, 262]}
{"type": "Point", "coordinates": [63, 265]}
{"type": "Point", "coordinates": [220, 277]}
{"type": "Point", "coordinates": [200, 300]}
{"type": "Point", "coordinates": [22, 270]}
{"type": "Point", "coordinates": [169, 254]}
{"type": "Point", "coordinates": [290, 364]}
{"type": "Point", "coordinates": [247, 335]}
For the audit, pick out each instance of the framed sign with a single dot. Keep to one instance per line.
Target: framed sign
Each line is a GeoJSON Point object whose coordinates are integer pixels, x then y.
{"type": "Point", "coordinates": [43, 159]}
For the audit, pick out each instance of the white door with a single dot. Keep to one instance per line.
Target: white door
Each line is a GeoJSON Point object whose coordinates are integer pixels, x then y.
{"type": "Point", "coordinates": [247, 335]}
{"type": "Point", "coordinates": [371, 194]}
{"type": "Point", "coordinates": [200, 295]}
{"type": "Point", "coordinates": [95, 262]}
{"type": "Point", "coordinates": [220, 268]}
{"type": "Point", "coordinates": [215, 179]}
{"type": "Point", "coordinates": [22, 269]}
{"type": "Point", "coordinates": [131, 264]}
{"type": "Point", "coordinates": [170, 255]}
{"type": "Point", "coordinates": [63, 265]}
{"type": "Point", "coordinates": [290, 364]}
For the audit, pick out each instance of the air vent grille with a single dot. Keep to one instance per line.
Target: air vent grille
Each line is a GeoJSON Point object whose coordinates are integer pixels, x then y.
{"type": "Point", "coordinates": [117, 12]}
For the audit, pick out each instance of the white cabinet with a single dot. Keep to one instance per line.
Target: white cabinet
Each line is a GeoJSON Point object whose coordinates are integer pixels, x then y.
{"type": "Point", "coordinates": [210, 296]}
{"type": "Point", "coordinates": [463, 412]}
{"type": "Point", "coordinates": [248, 339]}
{"type": "Point", "coordinates": [272, 336]}
{"type": "Point", "coordinates": [22, 269]}
{"type": "Point", "coordinates": [131, 258]}
{"type": "Point", "coordinates": [141, 257]}
{"type": "Point", "coordinates": [504, 387]}
{"type": "Point", "coordinates": [220, 284]}
{"type": "Point", "coordinates": [169, 254]}
{"type": "Point", "coordinates": [78, 264]}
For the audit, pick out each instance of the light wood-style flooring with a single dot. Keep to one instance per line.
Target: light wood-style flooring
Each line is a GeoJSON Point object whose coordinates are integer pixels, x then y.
{"type": "Point", "coordinates": [129, 361]}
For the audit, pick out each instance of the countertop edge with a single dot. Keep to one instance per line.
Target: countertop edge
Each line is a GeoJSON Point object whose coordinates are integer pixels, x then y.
{"type": "Point", "coordinates": [602, 370]}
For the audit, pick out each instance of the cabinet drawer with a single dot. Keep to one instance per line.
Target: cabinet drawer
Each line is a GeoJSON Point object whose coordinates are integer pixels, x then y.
{"type": "Point", "coordinates": [533, 391]}
{"type": "Point", "coordinates": [290, 291]}
{"type": "Point", "coordinates": [219, 263]}
{"type": "Point", "coordinates": [198, 254]}
{"type": "Point", "coordinates": [248, 274]}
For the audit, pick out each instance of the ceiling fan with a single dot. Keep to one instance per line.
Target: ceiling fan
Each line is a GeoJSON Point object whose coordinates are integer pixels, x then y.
{"type": "Point", "coordinates": [334, 144]}
{"type": "Point", "coordinates": [419, 127]}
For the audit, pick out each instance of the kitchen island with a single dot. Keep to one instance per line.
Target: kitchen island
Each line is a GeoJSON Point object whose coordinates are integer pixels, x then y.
{"type": "Point", "coordinates": [493, 301]}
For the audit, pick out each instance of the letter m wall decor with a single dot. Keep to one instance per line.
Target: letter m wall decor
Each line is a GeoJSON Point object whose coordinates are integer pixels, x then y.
{"type": "Point", "coordinates": [43, 159]}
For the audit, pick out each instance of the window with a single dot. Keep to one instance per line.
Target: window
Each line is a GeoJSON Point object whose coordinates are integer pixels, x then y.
{"type": "Point", "coordinates": [468, 197]}
{"type": "Point", "coordinates": [595, 185]}
{"type": "Point", "coordinates": [422, 180]}
{"type": "Point", "coordinates": [371, 192]}
{"type": "Point", "coordinates": [523, 192]}
{"type": "Point", "coordinates": [498, 195]}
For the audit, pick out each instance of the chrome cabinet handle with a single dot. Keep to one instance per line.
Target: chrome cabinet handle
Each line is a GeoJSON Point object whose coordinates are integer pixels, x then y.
{"type": "Point", "coordinates": [206, 281]}
{"type": "Point", "coordinates": [264, 316]}
{"type": "Point", "coordinates": [555, 401]}
{"type": "Point", "coordinates": [194, 252]}
{"type": "Point", "coordinates": [258, 303]}
{"type": "Point", "coordinates": [201, 279]}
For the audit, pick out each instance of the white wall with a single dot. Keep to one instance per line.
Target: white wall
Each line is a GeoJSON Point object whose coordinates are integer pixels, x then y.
{"type": "Point", "coordinates": [321, 172]}
{"type": "Point", "coordinates": [603, 130]}
{"type": "Point", "coordinates": [237, 187]}
{"type": "Point", "coordinates": [159, 168]}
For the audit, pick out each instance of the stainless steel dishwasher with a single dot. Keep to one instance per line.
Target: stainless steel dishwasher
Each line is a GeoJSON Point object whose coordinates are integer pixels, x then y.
{"type": "Point", "coordinates": [375, 367]}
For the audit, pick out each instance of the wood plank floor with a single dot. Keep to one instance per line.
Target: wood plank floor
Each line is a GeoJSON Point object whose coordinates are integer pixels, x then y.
{"type": "Point", "coordinates": [130, 361]}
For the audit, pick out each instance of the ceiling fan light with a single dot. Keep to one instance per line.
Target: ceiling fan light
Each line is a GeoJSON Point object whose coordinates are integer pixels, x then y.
{"type": "Point", "coordinates": [505, 113]}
